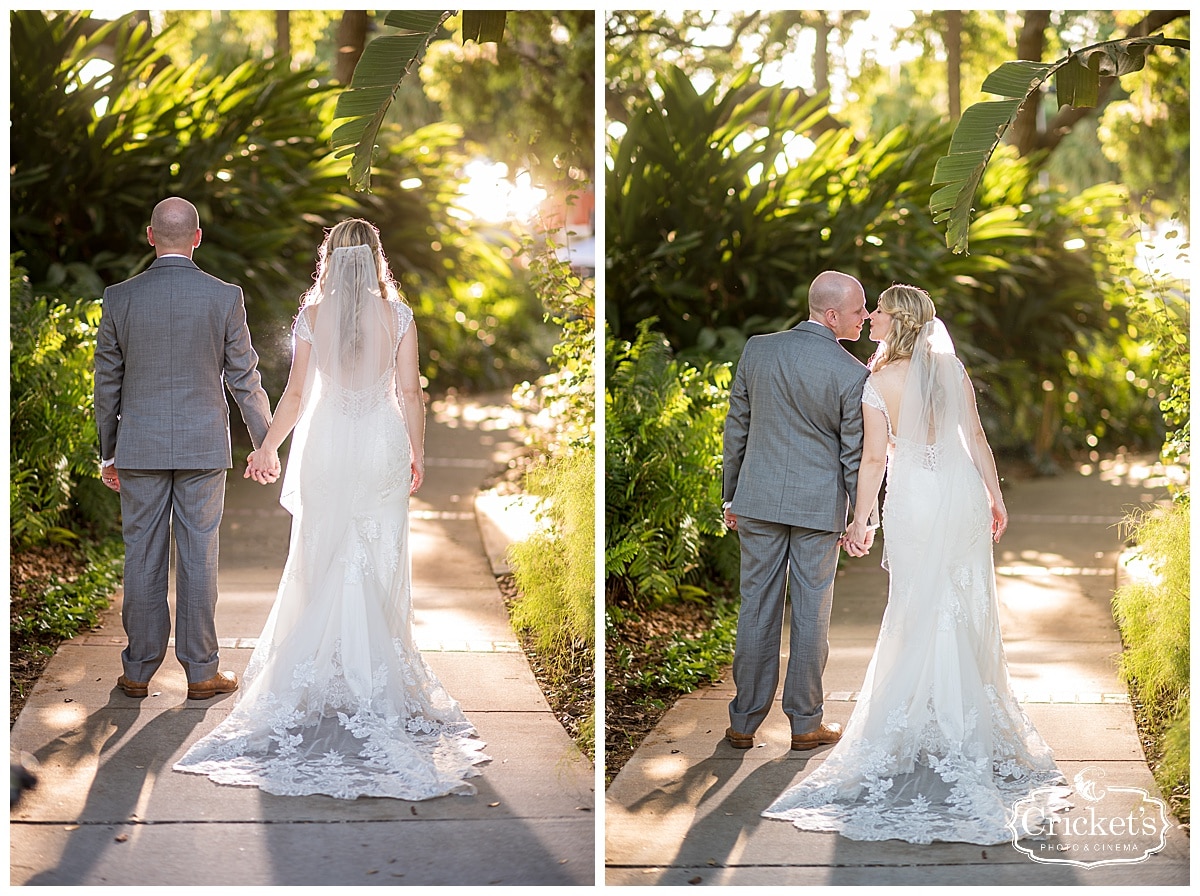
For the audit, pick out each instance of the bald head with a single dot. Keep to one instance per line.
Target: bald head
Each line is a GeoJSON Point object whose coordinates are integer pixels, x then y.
{"type": "Point", "coordinates": [837, 301]}
{"type": "Point", "coordinates": [832, 290]}
{"type": "Point", "coordinates": [174, 227]}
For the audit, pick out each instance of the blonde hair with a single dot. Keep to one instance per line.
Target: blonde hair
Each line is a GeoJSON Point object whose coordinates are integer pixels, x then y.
{"type": "Point", "coordinates": [911, 308]}
{"type": "Point", "coordinates": [353, 232]}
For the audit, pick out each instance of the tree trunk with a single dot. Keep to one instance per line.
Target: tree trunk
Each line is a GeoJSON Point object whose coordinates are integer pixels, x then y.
{"type": "Point", "coordinates": [1066, 118]}
{"type": "Point", "coordinates": [283, 35]}
{"type": "Point", "coordinates": [351, 39]}
{"type": "Point", "coordinates": [1025, 132]}
{"type": "Point", "coordinates": [821, 54]}
{"type": "Point", "coordinates": [953, 38]}
{"type": "Point", "coordinates": [1031, 43]}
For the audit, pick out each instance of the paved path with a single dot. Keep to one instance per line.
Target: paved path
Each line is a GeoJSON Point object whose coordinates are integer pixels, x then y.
{"type": "Point", "coordinates": [685, 808]}
{"type": "Point", "coordinates": [109, 809]}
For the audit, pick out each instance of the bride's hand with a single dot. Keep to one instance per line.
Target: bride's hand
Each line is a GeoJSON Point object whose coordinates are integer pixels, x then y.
{"type": "Point", "coordinates": [418, 476]}
{"type": "Point", "coordinates": [999, 521]}
{"type": "Point", "coordinates": [857, 539]}
{"type": "Point", "coordinates": [262, 466]}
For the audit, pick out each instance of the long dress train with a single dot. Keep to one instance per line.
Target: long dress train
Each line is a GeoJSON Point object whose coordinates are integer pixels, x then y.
{"type": "Point", "coordinates": [937, 747]}
{"type": "Point", "coordinates": [336, 698]}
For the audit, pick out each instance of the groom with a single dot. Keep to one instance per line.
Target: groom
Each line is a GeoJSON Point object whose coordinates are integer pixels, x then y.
{"type": "Point", "coordinates": [793, 441]}
{"type": "Point", "coordinates": [171, 340]}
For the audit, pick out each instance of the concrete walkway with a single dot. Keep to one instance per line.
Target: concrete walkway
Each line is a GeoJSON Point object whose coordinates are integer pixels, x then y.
{"type": "Point", "coordinates": [109, 809]}
{"type": "Point", "coordinates": [685, 808]}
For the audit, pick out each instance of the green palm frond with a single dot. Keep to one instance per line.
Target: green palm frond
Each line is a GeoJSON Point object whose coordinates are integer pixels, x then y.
{"type": "Point", "coordinates": [983, 125]}
{"type": "Point", "coordinates": [483, 26]}
{"type": "Point", "coordinates": [385, 63]}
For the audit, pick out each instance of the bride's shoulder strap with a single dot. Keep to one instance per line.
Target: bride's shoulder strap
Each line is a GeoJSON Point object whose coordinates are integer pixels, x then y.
{"type": "Point", "coordinates": [302, 327]}
{"type": "Point", "coordinates": [872, 396]}
{"type": "Point", "coordinates": [404, 319]}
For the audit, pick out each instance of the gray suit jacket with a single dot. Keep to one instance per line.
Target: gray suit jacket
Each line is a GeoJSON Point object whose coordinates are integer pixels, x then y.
{"type": "Point", "coordinates": [171, 339]}
{"type": "Point", "coordinates": [793, 435]}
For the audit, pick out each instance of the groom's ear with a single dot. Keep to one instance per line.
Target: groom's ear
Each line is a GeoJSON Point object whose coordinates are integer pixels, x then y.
{"type": "Point", "coordinates": [196, 242]}
{"type": "Point", "coordinates": [150, 235]}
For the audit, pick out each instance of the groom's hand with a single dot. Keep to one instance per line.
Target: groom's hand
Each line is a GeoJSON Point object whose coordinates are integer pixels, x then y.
{"type": "Point", "coordinates": [858, 539]}
{"type": "Point", "coordinates": [111, 478]}
{"type": "Point", "coordinates": [853, 549]}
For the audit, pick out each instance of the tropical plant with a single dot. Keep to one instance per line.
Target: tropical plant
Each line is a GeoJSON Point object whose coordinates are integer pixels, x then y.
{"type": "Point", "coordinates": [54, 487]}
{"type": "Point", "coordinates": [92, 156]}
{"type": "Point", "coordinates": [1076, 80]}
{"type": "Point", "coordinates": [47, 611]}
{"type": "Point", "coordinates": [478, 311]}
{"type": "Point", "coordinates": [544, 69]}
{"type": "Point", "coordinates": [663, 425]}
{"type": "Point", "coordinates": [555, 568]}
{"type": "Point", "coordinates": [703, 233]}
{"type": "Point", "coordinates": [563, 401]}
{"type": "Point", "coordinates": [385, 63]}
{"type": "Point", "coordinates": [714, 237]}
{"type": "Point", "coordinates": [249, 147]}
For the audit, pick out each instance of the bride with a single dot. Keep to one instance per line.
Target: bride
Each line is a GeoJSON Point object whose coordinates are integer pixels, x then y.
{"type": "Point", "coordinates": [937, 747]}
{"type": "Point", "coordinates": [336, 699]}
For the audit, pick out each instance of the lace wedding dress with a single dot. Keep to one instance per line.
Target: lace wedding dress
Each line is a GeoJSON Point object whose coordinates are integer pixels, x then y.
{"type": "Point", "coordinates": [937, 747]}
{"type": "Point", "coordinates": [336, 698]}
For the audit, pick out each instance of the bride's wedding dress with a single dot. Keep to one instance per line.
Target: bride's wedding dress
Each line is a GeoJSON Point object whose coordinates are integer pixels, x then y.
{"type": "Point", "coordinates": [937, 747]}
{"type": "Point", "coordinates": [336, 698]}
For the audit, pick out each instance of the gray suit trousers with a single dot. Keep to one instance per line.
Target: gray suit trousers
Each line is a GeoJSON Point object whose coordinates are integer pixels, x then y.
{"type": "Point", "coordinates": [154, 505]}
{"type": "Point", "coordinates": [776, 559]}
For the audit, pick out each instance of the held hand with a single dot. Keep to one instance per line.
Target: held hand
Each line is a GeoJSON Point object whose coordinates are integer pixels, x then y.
{"type": "Point", "coordinates": [854, 550]}
{"type": "Point", "coordinates": [730, 519]}
{"type": "Point", "coordinates": [858, 539]}
{"type": "Point", "coordinates": [263, 466]}
{"type": "Point", "coordinates": [418, 476]}
{"type": "Point", "coordinates": [870, 539]}
{"type": "Point", "coordinates": [111, 478]}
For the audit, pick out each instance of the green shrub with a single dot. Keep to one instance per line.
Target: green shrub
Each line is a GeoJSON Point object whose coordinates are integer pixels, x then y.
{"type": "Point", "coordinates": [247, 141]}
{"type": "Point", "coordinates": [566, 399]}
{"type": "Point", "coordinates": [663, 441]}
{"type": "Point", "coordinates": [52, 429]}
{"type": "Point", "coordinates": [555, 573]}
{"type": "Point", "coordinates": [712, 234]}
{"type": "Point", "coordinates": [555, 568]}
{"type": "Point", "coordinates": [1153, 613]}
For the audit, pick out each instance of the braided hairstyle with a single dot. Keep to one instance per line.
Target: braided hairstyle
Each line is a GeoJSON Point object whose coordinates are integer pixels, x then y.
{"type": "Point", "coordinates": [911, 308]}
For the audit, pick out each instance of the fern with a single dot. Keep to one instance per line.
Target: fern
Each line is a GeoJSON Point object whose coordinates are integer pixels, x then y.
{"type": "Point", "coordinates": [663, 425]}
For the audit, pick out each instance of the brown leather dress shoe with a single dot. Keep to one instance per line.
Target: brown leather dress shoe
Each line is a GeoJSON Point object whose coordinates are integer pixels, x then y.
{"type": "Point", "coordinates": [221, 683]}
{"type": "Point", "coordinates": [133, 688]}
{"type": "Point", "coordinates": [739, 741]}
{"type": "Point", "coordinates": [826, 734]}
